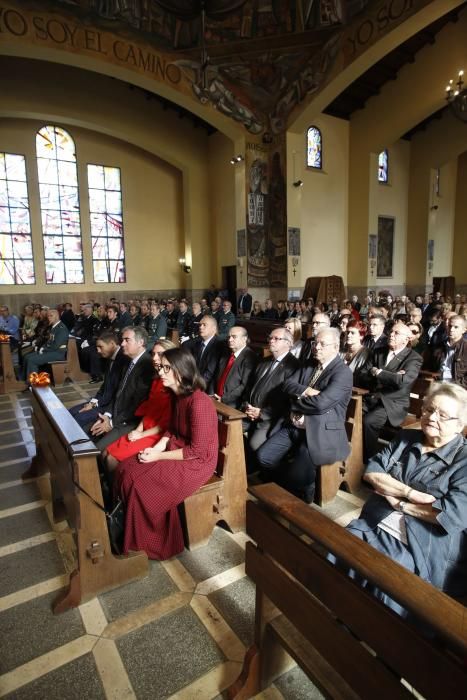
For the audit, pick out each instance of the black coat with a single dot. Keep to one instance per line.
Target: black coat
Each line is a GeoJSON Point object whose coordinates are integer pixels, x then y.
{"type": "Point", "coordinates": [136, 390]}
{"type": "Point", "coordinates": [239, 380]}
{"type": "Point", "coordinates": [207, 361]}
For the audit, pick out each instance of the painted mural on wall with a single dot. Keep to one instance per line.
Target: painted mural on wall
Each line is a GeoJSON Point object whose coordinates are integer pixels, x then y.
{"type": "Point", "coordinates": [266, 215]}
{"type": "Point", "coordinates": [256, 61]}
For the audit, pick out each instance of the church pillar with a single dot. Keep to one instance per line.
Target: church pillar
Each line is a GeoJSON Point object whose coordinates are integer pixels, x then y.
{"type": "Point", "coordinates": [361, 275]}
{"type": "Point", "coordinates": [460, 224]}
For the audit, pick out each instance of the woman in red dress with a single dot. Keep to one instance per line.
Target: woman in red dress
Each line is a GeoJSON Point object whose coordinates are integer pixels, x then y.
{"type": "Point", "coordinates": [155, 482]}
{"type": "Point", "coordinates": [155, 412]}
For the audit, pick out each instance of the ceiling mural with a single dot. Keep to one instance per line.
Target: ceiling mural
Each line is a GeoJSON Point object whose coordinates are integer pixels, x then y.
{"type": "Point", "coordinates": [255, 61]}
{"type": "Point", "coordinates": [252, 60]}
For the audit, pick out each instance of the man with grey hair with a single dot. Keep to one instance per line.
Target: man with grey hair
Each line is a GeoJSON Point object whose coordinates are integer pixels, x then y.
{"type": "Point", "coordinates": [314, 432]}
{"type": "Point", "coordinates": [236, 369]}
{"type": "Point", "coordinates": [319, 322]}
{"type": "Point", "coordinates": [53, 350]}
{"type": "Point", "coordinates": [207, 350]}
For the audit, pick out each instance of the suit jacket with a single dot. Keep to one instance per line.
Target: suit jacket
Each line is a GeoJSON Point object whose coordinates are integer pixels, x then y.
{"type": "Point", "coordinates": [267, 392]}
{"type": "Point", "coordinates": [324, 413]}
{"type": "Point", "coordinates": [136, 390]}
{"type": "Point", "coordinates": [225, 322]}
{"type": "Point", "coordinates": [390, 386]}
{"type": "Point", "coordinates": [112, 376]}
{"type": "Point", "coordinates": [68, 318]}
{"type": "Point", "coordinates": [459, 361]}
{"type": "Point", "coordinates": [245, 302]}
{"type": "Point", "coordinates": [207, 361]}
{"type": "Point", "coordinates": [239, 379]}
{"type": "Point", "coordinates": [58, 338]}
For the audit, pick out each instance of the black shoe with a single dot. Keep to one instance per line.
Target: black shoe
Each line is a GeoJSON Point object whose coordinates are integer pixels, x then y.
{"type": "Point", "coordinates": [95, 380]}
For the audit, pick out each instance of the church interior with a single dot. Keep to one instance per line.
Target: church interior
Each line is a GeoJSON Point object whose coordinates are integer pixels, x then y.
{"type": "Point", "coordinates": [206, 109]}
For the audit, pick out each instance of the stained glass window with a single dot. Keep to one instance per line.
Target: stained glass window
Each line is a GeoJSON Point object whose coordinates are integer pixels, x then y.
{"type": "Point", "coordinates": [383, 166]}
{"type": "Point", "coordinates": [16, 257]}
{"type": "Point", "coordinates": [105, 206]}
{"type": "Point", "coordinates": [314, 148]}
{"type": "Point", "coordinates": [58, 188]}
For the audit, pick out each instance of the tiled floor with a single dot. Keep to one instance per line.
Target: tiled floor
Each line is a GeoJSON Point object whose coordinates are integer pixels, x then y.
{"type": "Point", "coordinates": [180, 633]}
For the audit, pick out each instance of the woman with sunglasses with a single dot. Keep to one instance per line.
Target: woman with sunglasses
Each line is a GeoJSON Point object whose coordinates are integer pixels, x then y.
{"type": "Point", "coordinates": [159, 478]}
{"type": "Point", "coordinates": [418, 513]}
{"type": "Point", "coordinates": [155, 414]}
{"type": "Point", "coordinates": [355, 355]}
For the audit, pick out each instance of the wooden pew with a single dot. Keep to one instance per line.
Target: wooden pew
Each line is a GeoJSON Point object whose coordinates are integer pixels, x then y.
{"type": "Point", "coordinates": [8, 381]}
{"type": "Point", "coordinates": [349, 643]}
{"type": "Point", "coordinates": [330, 477]}
{"type": "Point", "coordinates": [222, 498]}
{"type": "Point", "coordinates": [98, 570]}
{"type": "Point", "coordinates": [68, 369]}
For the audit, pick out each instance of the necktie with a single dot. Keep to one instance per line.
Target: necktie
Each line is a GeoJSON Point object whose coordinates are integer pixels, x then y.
{"type": "Point", "coordinates": [390, 357]}
{"type": "Point", "coordinates": [125, 378]}
{"type": "Point", "coordinates": [224, 375]}
{"type": "Point", "coordinates": [318, 370]}
{"type": "Point", "coordinates": [203, 348]}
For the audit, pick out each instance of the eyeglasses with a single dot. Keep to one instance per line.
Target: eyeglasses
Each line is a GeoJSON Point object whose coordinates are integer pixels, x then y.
{"type": "Point", "coordinates": [322, 345]}
{"type": "Point", "coordinates": [442, 417]}
{"type": "Point", "coordinates": [275, 338]}
{"type": "Point", "coordinates": [318, 323]}
{"type": "Point", "coordinates": [414, 331]}
{"type": "Point", "coordinates": [164, 368]}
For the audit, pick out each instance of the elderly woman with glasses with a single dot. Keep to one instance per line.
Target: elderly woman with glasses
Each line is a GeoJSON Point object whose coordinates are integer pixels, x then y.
{"type": "Point", "coordinates": [159, 478]}
{"type": "Point", "coordinates": [417, 514]}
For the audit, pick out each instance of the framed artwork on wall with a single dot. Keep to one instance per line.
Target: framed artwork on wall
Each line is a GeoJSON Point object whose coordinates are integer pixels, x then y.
{"type": "Point", "coordinates": [294, 241]}
{"type": "Point", "coordinates": [385, 258]}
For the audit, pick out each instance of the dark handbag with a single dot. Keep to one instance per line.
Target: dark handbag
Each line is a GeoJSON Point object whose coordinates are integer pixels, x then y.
{"type": "Point", "coordinates": [116, 527]}
{"type": "Point", "coordinates": [115, 516]}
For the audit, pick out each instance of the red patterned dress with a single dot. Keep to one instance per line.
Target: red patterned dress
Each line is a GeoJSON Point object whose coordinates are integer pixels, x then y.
{"type": "Point", "coordinates": [155, 410]}
{"type": "Point", "coordinates": [152, 491]}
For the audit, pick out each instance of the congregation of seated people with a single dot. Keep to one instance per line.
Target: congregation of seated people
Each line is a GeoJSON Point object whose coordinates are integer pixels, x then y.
{"type": "Point", "coordinates": [162, 364]}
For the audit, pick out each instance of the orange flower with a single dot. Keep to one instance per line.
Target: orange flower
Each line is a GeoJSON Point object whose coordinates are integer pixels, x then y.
{"type": "Point", "coordinates": [39, 379]}
{"type": "Point", "coordinates": [4, 338]}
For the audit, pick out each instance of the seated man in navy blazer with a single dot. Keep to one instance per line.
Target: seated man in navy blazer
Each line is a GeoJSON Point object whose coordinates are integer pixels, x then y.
{"type": "Point", "coordinates": [394, 370]}
{"type": "Point", "coordinates": [236, 369]}
{"type": "Point", "coordinates": [53, 350]}
{"type": "Point", "coordinates": [314, 433]}
{"type": "Point", "coordinates": [108, 348]}
{"type": "Point", "coordinates": [133, 389]}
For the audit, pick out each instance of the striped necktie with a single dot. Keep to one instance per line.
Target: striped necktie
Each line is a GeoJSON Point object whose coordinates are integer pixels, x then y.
{"type": "Point", "coordinates": [125, 378]}
{"type": "Point", "coordinates": [317, 372]}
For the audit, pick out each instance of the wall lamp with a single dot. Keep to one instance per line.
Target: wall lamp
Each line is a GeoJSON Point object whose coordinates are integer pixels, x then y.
{"type": "Point", "coordinates": [298, 183]}
{"type": "Point", "coordinates": [236, 159]}
{"type": "Point", "coordinates": [186, 268]}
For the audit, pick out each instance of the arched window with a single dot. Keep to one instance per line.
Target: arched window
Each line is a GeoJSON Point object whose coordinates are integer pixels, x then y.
{"type": "Point", "coordinates": [16, 256]}
{"type": "Point", "coordinates": [58, 187]}
{"type": "Point", "coordinates": [314, 148]}
{"type": "Point", "coordinates": [383, 166]}
{"type": "Point", "coordinates": [105, 206]}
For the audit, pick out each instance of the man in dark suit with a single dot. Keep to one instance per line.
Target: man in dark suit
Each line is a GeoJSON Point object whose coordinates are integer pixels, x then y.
{"type": "Point", "coordinates": [314, 433]}
{"type": "Point", "coordinates": [108, 348]}
{"type": "Point", "coordinates": [376, 337]}
{"type": "Point", "coordinates": [267, 400]}
{"type": "Point", "coordinates": [207, 350]}
{"type": "Point", "coordinates": [235, 371]}
{"type": "Point", "coordinates": [54, 348]}
{"type": "Point", "coordinates": [245, 302]}
{"type": "Point", "coordinates": [133, 389]}
{"type": "Point", "coordinates": [395, 368]}
{"type": "Point", "coordinates": [67, 316]}
{"type": "Point", "coordinates": [125, 316]}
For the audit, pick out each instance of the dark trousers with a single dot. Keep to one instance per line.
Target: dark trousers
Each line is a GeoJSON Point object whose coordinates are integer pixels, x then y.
{"type": "Point", "coordinates": [374, 418]}
{"type": "Point", "coordinates": [87, 417]}
{"type": "Point", "coordinates": [285, 458]}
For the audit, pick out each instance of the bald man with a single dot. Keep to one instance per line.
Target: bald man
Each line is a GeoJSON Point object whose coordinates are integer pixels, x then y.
{"type": "Point", "coordinates": [207, 350]}
{"type": "Point", "coordinates": [236, 369]}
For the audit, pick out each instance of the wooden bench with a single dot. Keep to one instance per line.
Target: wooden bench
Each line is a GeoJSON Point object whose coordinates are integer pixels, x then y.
{"type": "Point", "coordinates": [349, 643]}
{"type": "Point", "coordinates": [348, 472]}
{"type": "Point", "coordinates": [223, 497]}
{"type": "Point", "coordinates": [68, 369]}
{"type": "Point", "coordinates": [8, 381]}
{"type": "Point", "coordinates": [98, 570]}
